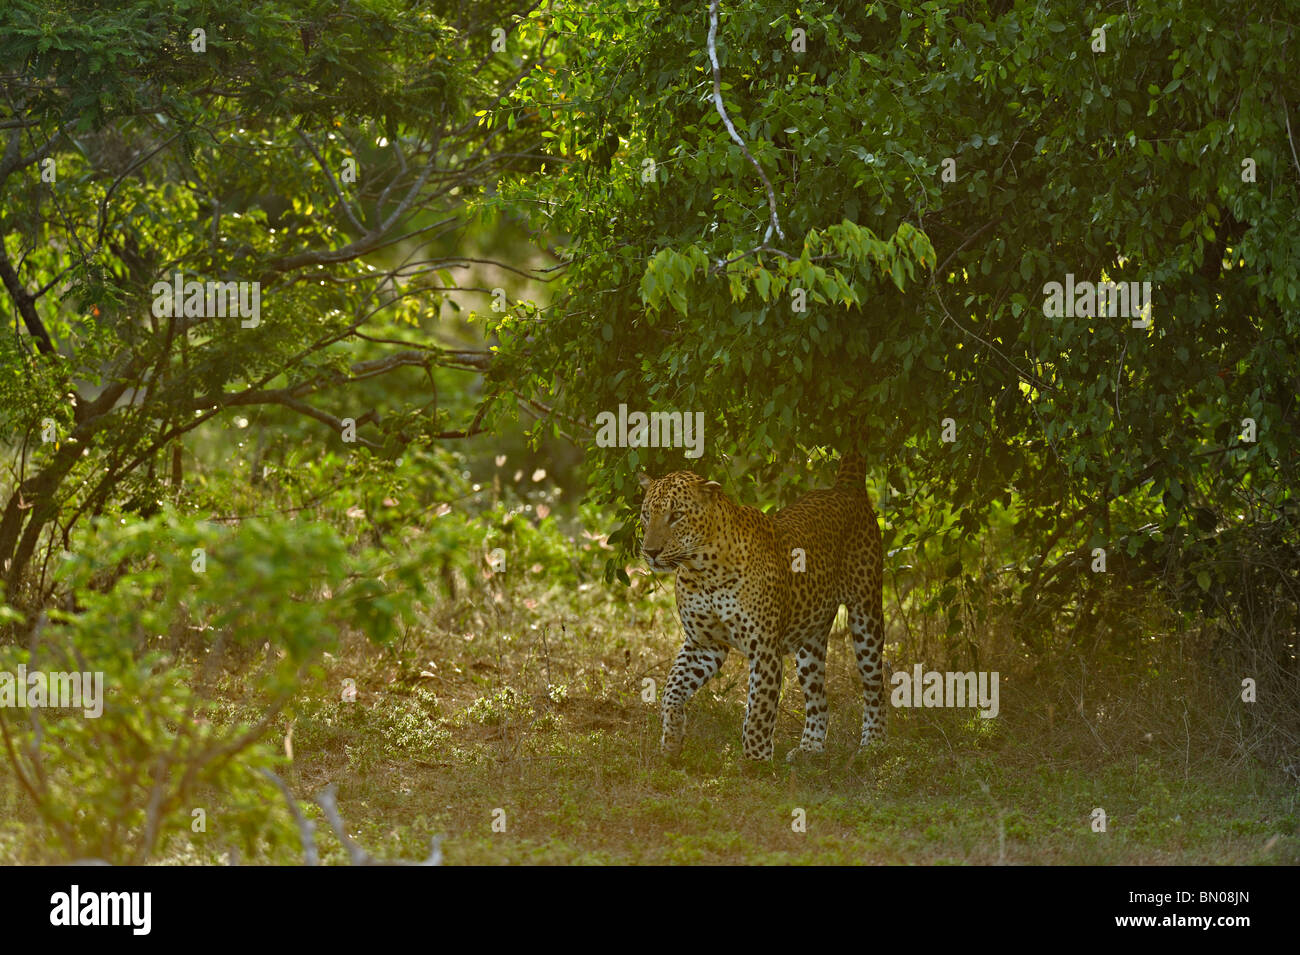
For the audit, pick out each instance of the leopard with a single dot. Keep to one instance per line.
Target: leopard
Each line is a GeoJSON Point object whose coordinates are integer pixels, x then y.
{"type": "Point", "coordinates": [768, 584]}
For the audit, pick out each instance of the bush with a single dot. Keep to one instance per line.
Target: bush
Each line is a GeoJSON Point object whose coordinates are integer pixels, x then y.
{"type": "Point", "coordinates": [158, 600]}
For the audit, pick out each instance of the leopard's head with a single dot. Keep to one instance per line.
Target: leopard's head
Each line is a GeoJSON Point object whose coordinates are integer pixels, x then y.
{"type": "Point", "coordinates": [677, 517]}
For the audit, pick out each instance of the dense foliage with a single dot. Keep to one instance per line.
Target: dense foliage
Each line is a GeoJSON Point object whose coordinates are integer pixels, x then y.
{"type": "Point", "coordinates": [934, 167]}
{"type": "Point", "coordinates": [476, 231]}
{"type": "Point", "coordinates": [319, 155]}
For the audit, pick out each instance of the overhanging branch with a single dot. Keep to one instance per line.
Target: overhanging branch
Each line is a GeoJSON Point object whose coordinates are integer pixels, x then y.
{"type": "Point", "coordinates": [775, 224]}
{"type": "Point", "coordinates": [281, 397]}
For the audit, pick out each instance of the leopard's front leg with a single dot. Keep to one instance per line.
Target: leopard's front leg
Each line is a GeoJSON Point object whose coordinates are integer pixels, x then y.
{"type": "Point", "coordinates": [697, 662]}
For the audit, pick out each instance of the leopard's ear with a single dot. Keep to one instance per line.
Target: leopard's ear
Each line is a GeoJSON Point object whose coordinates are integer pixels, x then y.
{"type": "Point", "coordinates": [713, 487]}
{"type": "Point", "coordinates": [644, 480]}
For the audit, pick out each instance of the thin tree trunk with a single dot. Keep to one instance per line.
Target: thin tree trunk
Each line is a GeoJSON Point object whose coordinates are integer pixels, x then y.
{"type": "Point", "coordinates": [29, 509]}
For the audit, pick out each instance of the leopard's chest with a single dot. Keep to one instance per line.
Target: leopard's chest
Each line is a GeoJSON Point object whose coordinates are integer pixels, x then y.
{"type": "Point", "coordinates": [723, 593]}
{"type": "Point", "coordinates": [716, 590]}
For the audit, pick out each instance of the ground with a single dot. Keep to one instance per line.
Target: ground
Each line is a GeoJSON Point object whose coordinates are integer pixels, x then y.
{"type": "Point", "coordinates": [530, 701]}
{"type": "Point", "coordinates": [578, 773]}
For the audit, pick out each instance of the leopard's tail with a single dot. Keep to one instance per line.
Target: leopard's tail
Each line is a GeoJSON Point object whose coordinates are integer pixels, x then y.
{"type": "Point", "coordinates": [852, 475]}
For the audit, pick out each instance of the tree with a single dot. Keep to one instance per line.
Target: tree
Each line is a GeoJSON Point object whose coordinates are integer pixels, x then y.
{"type": "Point", "coordinates": [842, 229]}
{"type": "Point", "coordinates": [298, 171]}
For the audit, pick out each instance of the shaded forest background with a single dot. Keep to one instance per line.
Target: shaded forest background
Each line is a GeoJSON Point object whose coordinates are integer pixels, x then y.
{"type": "Point", "coordinates": [367, 536]}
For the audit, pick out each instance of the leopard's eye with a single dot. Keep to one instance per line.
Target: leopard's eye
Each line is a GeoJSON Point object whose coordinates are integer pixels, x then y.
{"type": "Point", "coordinates": [674, 517]}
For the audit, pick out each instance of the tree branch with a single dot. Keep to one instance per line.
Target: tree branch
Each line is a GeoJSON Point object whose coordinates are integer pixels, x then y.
{"type": "Point", "coordinates": [320, 161]}
{"type": "Point", "coordinates": [26, 304]}
{"type": "Point", "coordinates": [1286, 114]}
{"type": "Point", "coordinates": [306, 828]}
{"type": "Point", "coordinates": [775, 224]}
{"type": "Point", "coordinates": [232, 399]}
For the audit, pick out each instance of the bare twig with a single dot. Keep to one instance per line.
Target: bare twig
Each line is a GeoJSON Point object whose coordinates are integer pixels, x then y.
{"type": "Point", "coordinates": [775, 224]}
{"type": "Point", "coordinates": [938, 273]}
{"type": "Point", "coordinates": [1020, 373]}
{"type": "Point", "coordinates": [329, 176]}
{"type": "Point", "coordinates": [1118, 373]}
{"type": "Point", "coordinates": [328, 802]}
{"type": "Point", "coordinates": [1286, 114]}
{"type": "Point", "coordinates": [306, 828]}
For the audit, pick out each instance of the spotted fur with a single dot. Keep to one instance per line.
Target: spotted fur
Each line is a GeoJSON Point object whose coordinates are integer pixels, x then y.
{"type": "Point", "coordinates": [737, 588]}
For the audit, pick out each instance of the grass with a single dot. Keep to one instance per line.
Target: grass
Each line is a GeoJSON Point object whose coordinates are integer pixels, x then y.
{"type": "Point", "coordinates": [501, 707]}
{"type": "Point", "coordinates": [525, 708]}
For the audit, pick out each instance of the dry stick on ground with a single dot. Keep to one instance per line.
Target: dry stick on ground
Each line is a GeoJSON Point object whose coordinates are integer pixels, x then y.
{"type": "Point", "coordinates": [328, 802]}
{"type": "Point", "coordinates": [306, 828]}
